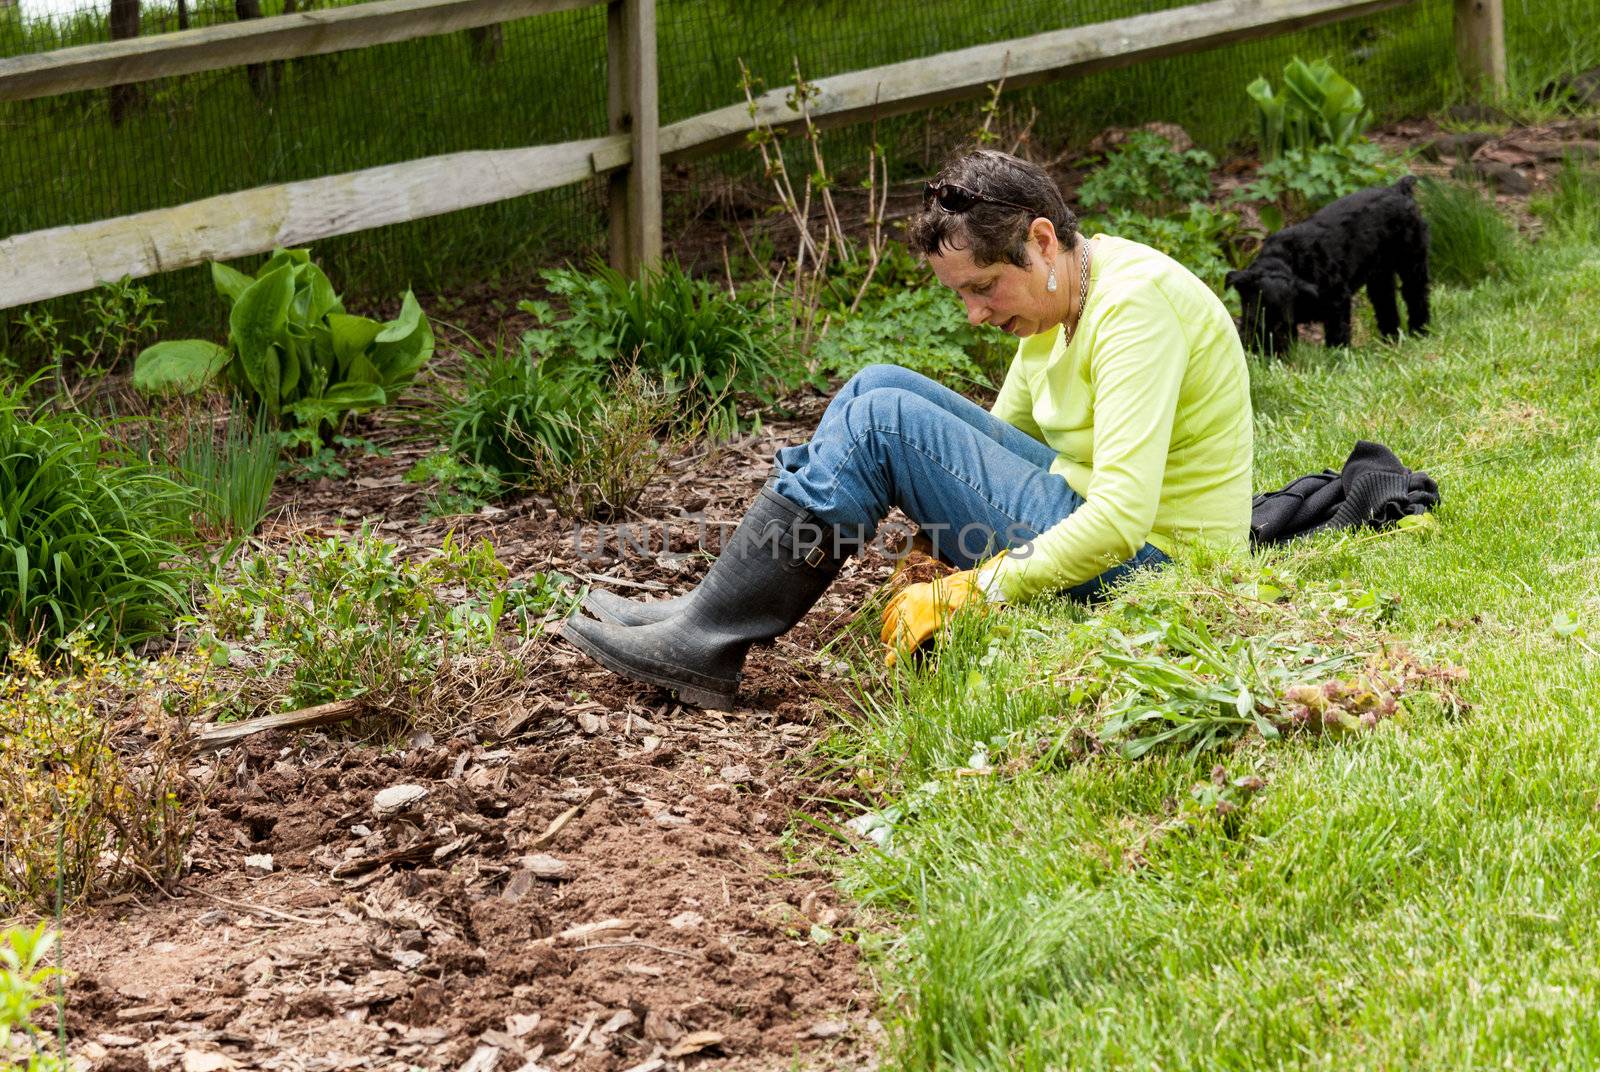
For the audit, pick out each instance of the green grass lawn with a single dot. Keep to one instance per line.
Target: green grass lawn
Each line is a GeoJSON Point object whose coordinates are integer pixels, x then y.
{"type": "Point", "coordinates": [1421, 895]}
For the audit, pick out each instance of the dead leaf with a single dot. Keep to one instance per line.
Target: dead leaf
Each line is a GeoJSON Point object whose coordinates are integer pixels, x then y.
{"type": "Point", "coordinates": [599, 929]}
{"type": "Point", "coordinates": [547, 867]}
{"type": "Point", "coordinates": [694, 1043]}
{"type": "Point", "coordinates": [483, 1059]}
{"type": "Point", "coordinates": [620, 1019]}
{"type": "Point", "coordinates": [520, 1024]}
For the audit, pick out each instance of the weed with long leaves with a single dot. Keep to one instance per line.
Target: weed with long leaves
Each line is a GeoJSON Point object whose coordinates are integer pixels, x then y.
{"type": "Point", "coordinates": [91, 536]}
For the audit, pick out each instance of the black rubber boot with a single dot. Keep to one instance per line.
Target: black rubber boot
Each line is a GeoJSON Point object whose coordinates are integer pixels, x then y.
{"type": "Point", "coordinates": [620, 610]}
{"type": "Point", "coordinates": [772, 570]}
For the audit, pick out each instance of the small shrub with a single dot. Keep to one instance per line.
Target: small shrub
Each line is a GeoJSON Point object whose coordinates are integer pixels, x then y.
{"type": "Point", "coordinates": [459, 486]}
{"type": "Point", "coordinates": [1147, 175]}
{"type": "Point", "coordinates": [350, 618]}
{"type": "Point", "coordinates": [293, 348]}
{"type": "Point", "coordinates": [118, 317]}
{"type": "Point", "coordinates": [1317, 107]}
{"type": "Point", "coordinates": [1571, 211]}
{"type": "Point", "coordinates": [1469, 239]}
{"type": "Point", "coordinates": [1300, 181]}
{"type": "Point", "coordinates": [85, 813]}
{"type": "Point", "coordinates": [1194, 241]}
{"type": "Point", "coordinates": [90, 536]}
{"type": "Point", "coordinates": [630, 433]}
{"type": "Point", "coordinates": [26, 979]}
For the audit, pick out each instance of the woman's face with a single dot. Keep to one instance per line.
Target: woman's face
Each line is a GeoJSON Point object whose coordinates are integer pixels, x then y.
{"type": "Point", "coordinates": [1001, 294]}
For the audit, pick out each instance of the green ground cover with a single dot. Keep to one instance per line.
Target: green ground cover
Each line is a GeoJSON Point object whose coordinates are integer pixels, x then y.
{"type": "Point", "coordinates": [209, 134]}
{"type": "Point", "coordinates": [1416, 896]}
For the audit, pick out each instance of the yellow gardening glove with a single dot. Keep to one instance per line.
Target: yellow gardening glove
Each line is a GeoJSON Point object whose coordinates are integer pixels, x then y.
{"type": "Point", "coordinates": [918, 611]}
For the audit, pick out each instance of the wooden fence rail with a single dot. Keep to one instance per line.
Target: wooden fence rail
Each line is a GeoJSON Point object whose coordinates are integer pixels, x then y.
{"type": "Point", "coordinates": [65, 260]}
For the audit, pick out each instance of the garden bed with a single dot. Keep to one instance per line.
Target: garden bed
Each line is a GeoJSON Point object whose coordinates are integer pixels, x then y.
{"type": "Point", "coordinates": [674, 917]}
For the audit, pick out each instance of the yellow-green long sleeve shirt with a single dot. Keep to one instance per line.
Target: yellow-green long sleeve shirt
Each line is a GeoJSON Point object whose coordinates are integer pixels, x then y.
{"type": "Point", "coordinates": [1148, 410]}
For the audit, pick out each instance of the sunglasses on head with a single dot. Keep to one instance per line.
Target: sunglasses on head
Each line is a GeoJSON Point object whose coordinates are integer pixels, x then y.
{"type": "Point", "coordinates": [958, 199]}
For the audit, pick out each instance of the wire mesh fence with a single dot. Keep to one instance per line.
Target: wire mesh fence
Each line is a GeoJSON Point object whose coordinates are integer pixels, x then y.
{"type": "Point", "coordinates": [92, 155]}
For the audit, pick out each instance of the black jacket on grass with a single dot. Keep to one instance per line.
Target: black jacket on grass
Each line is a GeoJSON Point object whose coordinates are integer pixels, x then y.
{"type": "Point", "coordinates": [1373, 490]}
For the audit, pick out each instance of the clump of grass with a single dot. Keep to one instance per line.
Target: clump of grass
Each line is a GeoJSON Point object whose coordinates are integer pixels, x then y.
{"type": "Point", "coordinates": [686, 333]}
{"type": "Point", "coordinates": [92, 538]}
{"type": "Point", "coordinates": [1469, 239]}
{"type": "Point", "coordinates": [1571, 211]}
{"type": "Point", "coordinates": [513, 398]}
{"type": "Point", "coordinates": [230, 462]}
{"type": "Point", "coordinates": [85, 814]}
{"type": "Point", "coordinates": [592, 438]}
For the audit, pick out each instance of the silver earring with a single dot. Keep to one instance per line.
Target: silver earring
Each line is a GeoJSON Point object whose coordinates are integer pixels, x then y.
{"type": "Point", "coordinates": [1050, 281]}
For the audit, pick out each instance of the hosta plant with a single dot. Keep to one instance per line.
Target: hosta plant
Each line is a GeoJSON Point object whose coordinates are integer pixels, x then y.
{"type": "Point", "coordinates": [292, 346]}
{"type": "Point", "coordinates": [1318, 106]}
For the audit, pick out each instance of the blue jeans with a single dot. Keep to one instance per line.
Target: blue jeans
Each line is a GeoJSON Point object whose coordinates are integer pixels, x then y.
{"type": "Point", "coordinates": [973, 484]}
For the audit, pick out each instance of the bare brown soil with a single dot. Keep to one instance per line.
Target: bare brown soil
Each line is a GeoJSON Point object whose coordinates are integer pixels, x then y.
{"type": "Point", "coordinates": [675, 920]}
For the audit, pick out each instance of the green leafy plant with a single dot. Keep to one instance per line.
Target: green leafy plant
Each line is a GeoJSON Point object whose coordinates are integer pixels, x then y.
{"type": "Point", "coordinates": [93, 804]}
{"type": "Point", "coordinates": [1145, 174]}
{"type": "Point", "coordinates": [1195, 241]}
{"type": "Point", "coordinates": [518, 407]}
{"type": "Point", "coordinates": [1469, 240]}
{"type": "Point", "coordinates": [348, 618]}
{"type": "Point", "coordinates": [460, 486]}
{"type": "Point", "coordinates": [1317, 107]}
{"type": "Point", "coordinates": [920, 327]}
{"type": "Point", "coordinates": [26, 979]}
{"type": "Point", "coordinates": [307, 457]}
{"type": "Point", "coordinates": [90, 535]}
{"type": "Point", "coordinates": [118, 316]}
{"type": "Point", "coordinates": [292, 347]}
{"type": "Point", "coordinates": [681, 331]}
{"type": "Point", "coordinates": [1300, 181]}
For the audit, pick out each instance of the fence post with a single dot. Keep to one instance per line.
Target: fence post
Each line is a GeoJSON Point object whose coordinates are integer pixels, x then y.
{"type": "Point", "coordinates": [1481, 44]}
{"type": "Point", "coordinates": [124, 19]}
{"type": "Point", "coordinates": [632, 107]}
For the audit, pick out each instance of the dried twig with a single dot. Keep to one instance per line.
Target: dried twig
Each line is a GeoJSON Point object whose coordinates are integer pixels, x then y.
{"type": "Point", "coordinates": [559, 823]}
{"type": "Point", "coordinates": [259, 909]}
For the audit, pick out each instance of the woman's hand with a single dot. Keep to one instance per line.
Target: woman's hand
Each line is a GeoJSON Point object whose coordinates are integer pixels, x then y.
{"type": "Point", "coordinates": [918, 611]}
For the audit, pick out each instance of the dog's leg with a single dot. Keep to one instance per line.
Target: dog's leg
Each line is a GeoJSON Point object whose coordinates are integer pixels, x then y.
{"type": "Point", "coordinates": [1336, 322]}
{"type": "Point", "coordinates": [1414, 289]}
{"type": "Point", "coordinates": [1380, 290]}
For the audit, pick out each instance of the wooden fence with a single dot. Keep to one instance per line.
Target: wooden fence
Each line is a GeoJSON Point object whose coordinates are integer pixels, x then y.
{"type": "Point", "coordinates": [66, 260]}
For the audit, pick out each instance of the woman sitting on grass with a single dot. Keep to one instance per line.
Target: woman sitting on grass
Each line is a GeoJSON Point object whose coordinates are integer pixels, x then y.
{"type": "Point", "coordinates": [1121, 434]}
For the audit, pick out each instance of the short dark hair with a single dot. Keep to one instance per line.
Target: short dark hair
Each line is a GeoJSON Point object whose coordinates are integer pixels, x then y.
{"type": "Point", "coordinates": [993, 232]}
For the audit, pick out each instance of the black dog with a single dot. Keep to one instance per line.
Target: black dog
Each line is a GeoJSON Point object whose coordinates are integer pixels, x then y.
{"type": "Point", "coordinates": [1310, 272]}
